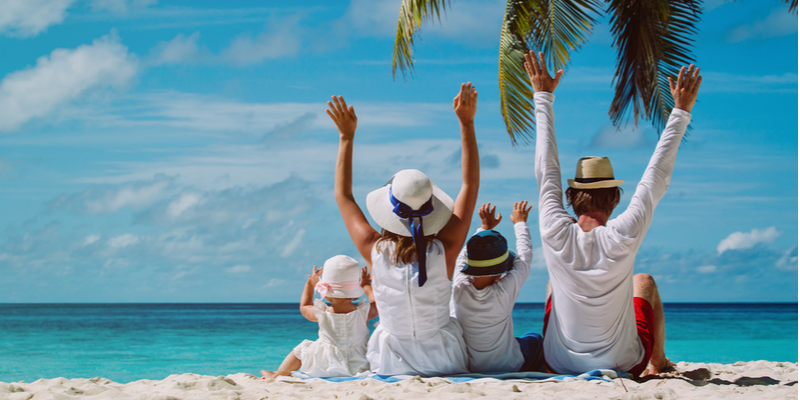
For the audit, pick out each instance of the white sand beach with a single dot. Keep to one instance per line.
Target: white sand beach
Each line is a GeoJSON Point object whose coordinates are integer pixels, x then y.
{"type": "Point", "coordinates": [743, 380]}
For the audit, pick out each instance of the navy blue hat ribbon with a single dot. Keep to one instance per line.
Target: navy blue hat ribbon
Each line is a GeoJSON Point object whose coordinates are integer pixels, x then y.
{"type": "Point", "coordinates": [403, 210]}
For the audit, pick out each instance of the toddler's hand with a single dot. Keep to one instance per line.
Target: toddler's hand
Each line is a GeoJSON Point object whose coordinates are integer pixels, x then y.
{"type": "Point", "coordinates": [313, 279]}
{"type": "Point", "coordinates": [488, 219]}
{"type": "Point", "coordinates": [520, 213]}
{"type": "Point", "coordinates": [366, 278]}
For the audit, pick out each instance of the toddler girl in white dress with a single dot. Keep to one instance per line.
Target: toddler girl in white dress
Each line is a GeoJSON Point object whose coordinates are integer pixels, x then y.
{"type": "Point", "coordinates": [343, 332]}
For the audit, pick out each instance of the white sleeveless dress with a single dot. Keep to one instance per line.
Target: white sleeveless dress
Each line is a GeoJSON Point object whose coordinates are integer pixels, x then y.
{"type": "Point", "coordinates": [342, 345]}
{"type": "Point", "coordinates": [415, 335]}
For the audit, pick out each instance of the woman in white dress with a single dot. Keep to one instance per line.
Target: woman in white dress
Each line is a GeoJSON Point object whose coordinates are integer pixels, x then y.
{"type": "Point", "coordinates": [414, 256]}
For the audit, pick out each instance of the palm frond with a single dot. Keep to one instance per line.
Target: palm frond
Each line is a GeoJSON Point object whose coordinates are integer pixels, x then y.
{"type": "Point", "coordinates": [792, 5]}
{"type": "Point", "coordinates": [560, 27]}
{"type": "Point", "coordinates": [652, 38]}
{"type": "Point", "coordinates": [412, 14]}
{"type": "Point", "coordinates": [554, 27]}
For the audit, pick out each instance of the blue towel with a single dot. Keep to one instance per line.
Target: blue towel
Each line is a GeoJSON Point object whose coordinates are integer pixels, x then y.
{"type": "Point", "coordinates": [604, 375]}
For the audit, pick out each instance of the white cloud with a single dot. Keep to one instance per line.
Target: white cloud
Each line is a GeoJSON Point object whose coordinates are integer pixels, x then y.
{"type": "Point", "coordinates": [788, 260]}
{"type": "Point", "coordinates": [120, 6]}
{"type": "Point", "coordinates": [743, 240]}
{"type": "Point", "coordinates": [238, 269]}
{"type": "Point", "coordinates": [63, 76]}
{"type": "Point", "coordinates": [278, 41]}
{"type": "Point", "coordinates": [182, 203]}
{"type": "Point", "coordinates": [181, 49]}
{"type": "Point", "coordinates": [624, 138]}
{"type": "Point", "coordinates": [778, 23]}
{"type": "Point", "coordinates": [107, 199]}
{"type": "Point", "coordinates": [90, 239]}
{"type": "Point", "coordinates": [292, 245]}
{"type": "Point", "coordinates": [707, 269]}
{"type": "Point", "coordinates": [25, 18]}
{"type": "Point", "coordinates": [125, 240]}
{"type": "Point", "coordinates": [722, 82]}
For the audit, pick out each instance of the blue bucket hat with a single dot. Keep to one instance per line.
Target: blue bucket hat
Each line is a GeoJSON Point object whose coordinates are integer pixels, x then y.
{"type": "Point", "coordinates": [488, 254]}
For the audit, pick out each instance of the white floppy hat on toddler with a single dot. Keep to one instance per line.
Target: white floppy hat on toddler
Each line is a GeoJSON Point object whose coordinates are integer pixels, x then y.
{"type": "Point", "coordinates": [340, 278]}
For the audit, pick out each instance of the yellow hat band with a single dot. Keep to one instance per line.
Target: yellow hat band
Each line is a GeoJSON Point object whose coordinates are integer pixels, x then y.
{"type": "Point", "coordinates": [488, 263]}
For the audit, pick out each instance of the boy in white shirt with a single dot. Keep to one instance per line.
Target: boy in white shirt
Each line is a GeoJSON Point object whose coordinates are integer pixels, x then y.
{"type": "Point", "coordinates": [487, 280]}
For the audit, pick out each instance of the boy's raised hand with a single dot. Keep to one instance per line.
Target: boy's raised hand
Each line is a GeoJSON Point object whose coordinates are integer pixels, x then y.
{"type": "Point", "coordinates": [366, 278]}
{"type": "Point", "coordinates": [343, 116]}
{"type": "Point", "coordinates": [520, 213]}
{"type": "Point", "coordinates": [488, 219]}
{"type": "Point", "coordinates": [537, 72]}
{"type": "Point", "coordinates": [313, 279]}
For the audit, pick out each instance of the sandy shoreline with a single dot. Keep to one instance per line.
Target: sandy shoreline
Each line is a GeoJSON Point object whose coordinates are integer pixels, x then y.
{"type": "Point", "coordinates": [746, 380]}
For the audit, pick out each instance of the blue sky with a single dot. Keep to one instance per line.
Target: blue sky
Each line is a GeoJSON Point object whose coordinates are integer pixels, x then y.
{"type": "Point", "coordinates": [159, 151]}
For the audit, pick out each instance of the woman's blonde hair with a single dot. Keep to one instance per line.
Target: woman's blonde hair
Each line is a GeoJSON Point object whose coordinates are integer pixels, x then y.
{"type": "Point", "coordinates": [405, 252]}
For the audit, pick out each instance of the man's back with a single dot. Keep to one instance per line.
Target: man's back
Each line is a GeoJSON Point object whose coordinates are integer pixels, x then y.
{"type": "Point", "coordinates": [592, 323]}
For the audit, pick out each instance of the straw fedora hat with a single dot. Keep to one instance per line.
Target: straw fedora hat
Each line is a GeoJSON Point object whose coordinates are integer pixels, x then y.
{"type": "Point", "coordinates": [414, 189]}
{"type": "Point", "coordinates": [594, 173]}
{"type": "Point", "coordinates": [342, 274]}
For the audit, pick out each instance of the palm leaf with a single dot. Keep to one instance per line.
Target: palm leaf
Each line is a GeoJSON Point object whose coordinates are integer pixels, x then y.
{"type": "Point", "coordinates": [412, 14]}
{"type": "Point", "coordinates": [556, 28]}
{"type": "Point", "coordinates": [792, 5]}
{"type": "Point", "coordinates": [652, 38]}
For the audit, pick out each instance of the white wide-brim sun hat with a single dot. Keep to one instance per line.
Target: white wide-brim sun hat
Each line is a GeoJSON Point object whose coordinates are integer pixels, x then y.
{"type": "Point", "coordinates": [341, 269]}
{"type": "Point", "coordinates": [594, 173]}
{"type": "Point", "coordinates": [413, 188]}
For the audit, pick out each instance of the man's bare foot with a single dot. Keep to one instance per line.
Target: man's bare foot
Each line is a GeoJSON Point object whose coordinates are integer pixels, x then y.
{"type": "Point", "coordinates": [268, 374]}
{"type": "Point", "coordinates": [652, 369]}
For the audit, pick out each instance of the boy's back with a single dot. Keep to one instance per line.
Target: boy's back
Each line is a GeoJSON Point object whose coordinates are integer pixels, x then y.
{"type": "Point", "coordinates": [485, 314]}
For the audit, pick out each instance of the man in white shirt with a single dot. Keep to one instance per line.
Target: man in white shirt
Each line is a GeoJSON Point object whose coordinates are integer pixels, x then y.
{"type": "Point", "coordinates": [598, 314]}
{"type": "Point", "coordinates": [487, 280]}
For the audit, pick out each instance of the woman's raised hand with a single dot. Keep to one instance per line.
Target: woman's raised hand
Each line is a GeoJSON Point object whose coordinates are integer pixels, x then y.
{"type": "Point", "coordinates": [465, 104]}
{"type": "Point", "coordinates": [537, 71]}
{"type": "Point", "coordinates": [343, 116]}
{"type": "Point", "coordinates": [684, 92]}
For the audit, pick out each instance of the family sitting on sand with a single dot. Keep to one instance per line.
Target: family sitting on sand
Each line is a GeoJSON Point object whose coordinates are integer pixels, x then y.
{"type": "Point", "coordinates": [598, 313]}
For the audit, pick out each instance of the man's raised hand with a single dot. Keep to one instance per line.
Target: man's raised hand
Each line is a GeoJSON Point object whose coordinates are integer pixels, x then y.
{"type": "Point", "coordinates": [537, 71]}
{"type": "Point", "coordinates": [343, 116]}
{"type": "Point", "coordinates": [684, 91]}
{"type": "Point", "coordinates": [488, 219]}
{"type": "Point", "coordinates": [520, 213]}
{"type": "Point", "coordinates": [465, 104]}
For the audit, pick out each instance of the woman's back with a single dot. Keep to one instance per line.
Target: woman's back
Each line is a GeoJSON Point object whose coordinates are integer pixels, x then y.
{"type": "Point", "coordinates": [416, 334]}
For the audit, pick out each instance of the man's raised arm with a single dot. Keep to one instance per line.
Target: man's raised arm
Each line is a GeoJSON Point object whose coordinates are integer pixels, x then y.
{"type": "Point", "coordinates": [636, 218]}
{"type": "Point", "coordinates": [547, 167]}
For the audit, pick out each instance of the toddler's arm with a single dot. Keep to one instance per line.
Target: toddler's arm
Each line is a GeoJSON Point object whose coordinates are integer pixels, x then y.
{"type": "Point", "coordinates": [366, 284]}
{"type": "Point", "coordinates": [307, 299]}
{"type": "Point", "coordinates": [488, 219]}
{"type": "Point", "coordinates": [524, 246]}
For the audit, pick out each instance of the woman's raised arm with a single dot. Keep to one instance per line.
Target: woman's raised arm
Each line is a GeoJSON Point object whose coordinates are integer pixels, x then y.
{"type": "Point", "coordinates": [456, 230]}
{"type": "Point", "coordinates": [361, 232]}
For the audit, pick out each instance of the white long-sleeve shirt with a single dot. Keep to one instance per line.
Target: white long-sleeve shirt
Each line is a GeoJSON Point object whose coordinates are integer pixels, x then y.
{"type": "Point", "coordinates": [485, 314]}
{"type": "Point", "coordinates": [592, 321]}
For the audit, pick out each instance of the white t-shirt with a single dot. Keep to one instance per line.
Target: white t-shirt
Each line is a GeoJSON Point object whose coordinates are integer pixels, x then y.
{"type": "Point", "coordinates": [592, 322]}
{"type": "Point", "coordinates": [485, 315]}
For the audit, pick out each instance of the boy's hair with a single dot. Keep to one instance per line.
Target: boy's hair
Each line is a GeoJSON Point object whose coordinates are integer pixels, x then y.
{"type": "Point", "coordinates": [405, 252]}
{"type": "Point", "coordinates": [584, 201]}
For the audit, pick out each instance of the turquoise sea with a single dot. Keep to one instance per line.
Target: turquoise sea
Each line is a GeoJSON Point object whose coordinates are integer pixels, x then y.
{"type": "Point", "coordinates": [127, 342]}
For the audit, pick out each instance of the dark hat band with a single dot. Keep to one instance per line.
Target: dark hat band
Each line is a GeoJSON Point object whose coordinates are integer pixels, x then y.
{"type": "Point", "coordinates": [593, 180]}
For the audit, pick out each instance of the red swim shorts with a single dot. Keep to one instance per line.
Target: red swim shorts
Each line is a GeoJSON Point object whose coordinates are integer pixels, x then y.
{"type": "Point", "coordinates": [645, 326]}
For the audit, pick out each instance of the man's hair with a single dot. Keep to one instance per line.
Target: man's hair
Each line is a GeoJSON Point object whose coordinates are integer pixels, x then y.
{"type": "Point", "coordinates": [584, 201]}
